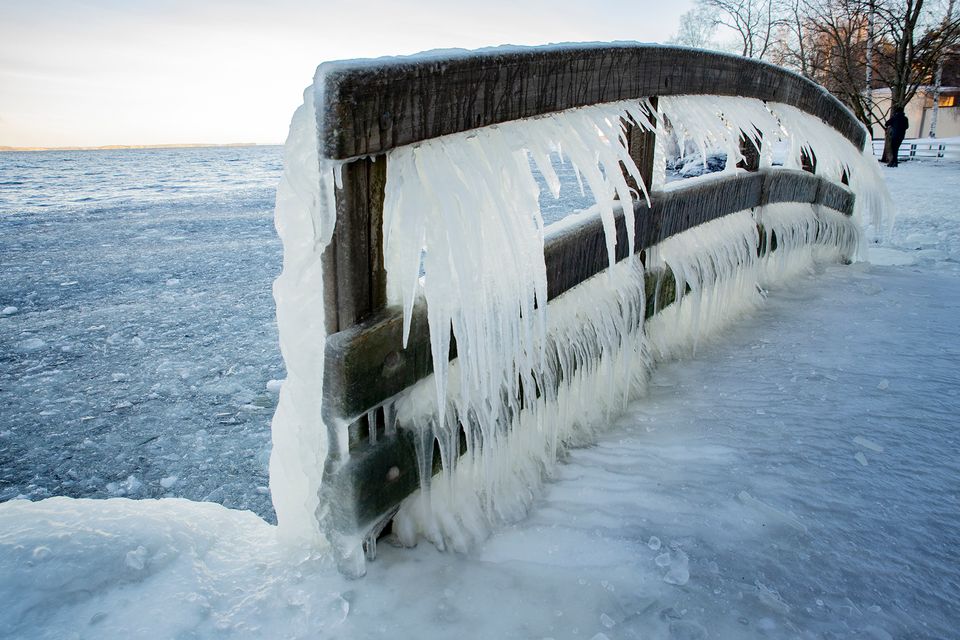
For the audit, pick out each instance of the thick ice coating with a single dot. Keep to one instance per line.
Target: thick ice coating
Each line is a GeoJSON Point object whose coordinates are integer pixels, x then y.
{"type": "Point", "coordinates": [305, 216]}
{"type": "Point", "coordinates": [464, 232]}
{"type": "Point", "coordinates": [530, 378]}
{"type": "Point", "coordinates": [467, 206]}
{"type": "Point", "coordinates": [599, 356]}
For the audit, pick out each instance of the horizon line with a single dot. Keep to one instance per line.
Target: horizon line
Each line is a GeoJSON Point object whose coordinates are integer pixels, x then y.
{"type": "Point", "coordinates": [115, 147]}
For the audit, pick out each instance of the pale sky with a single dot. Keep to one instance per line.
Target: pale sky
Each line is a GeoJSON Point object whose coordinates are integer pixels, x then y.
{"type": "Point", "coordinates": [100, 72]}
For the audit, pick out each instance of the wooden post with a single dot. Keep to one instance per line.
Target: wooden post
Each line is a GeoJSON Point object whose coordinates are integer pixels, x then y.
{"type": "Point", "coordinates": [355, 287]}
{"type": "Point", "coordinates": [355, 283]}
{"type": "Point", "coordinates": [641, 145]}
{"type": "Point", "coordinates": [750, 151]}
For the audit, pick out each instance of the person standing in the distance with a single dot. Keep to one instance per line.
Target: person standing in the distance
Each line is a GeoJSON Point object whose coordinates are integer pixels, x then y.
{"type": "Point", "coordinates": [896, 128]}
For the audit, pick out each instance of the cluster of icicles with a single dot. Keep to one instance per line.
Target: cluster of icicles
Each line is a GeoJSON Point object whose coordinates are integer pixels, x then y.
{"type": "Point", "coordinates": [463, 231]}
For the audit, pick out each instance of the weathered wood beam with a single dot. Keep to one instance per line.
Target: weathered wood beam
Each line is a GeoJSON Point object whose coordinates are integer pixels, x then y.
{"type": "Point", "coordinates": [355, 283]}
{"type": "Point", "coordinates": [374, 480]}
{"type": "Point", "coordinates": [371, 106]}
{"type": "Point", "coordinates": [834, 196]}
{"type": "Point", "coordinates": [641, 145]}
{"type": "Point", "coordinates": [791, 186]}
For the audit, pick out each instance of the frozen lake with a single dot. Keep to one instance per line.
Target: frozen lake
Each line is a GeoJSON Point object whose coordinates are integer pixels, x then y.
{"type": "Point", "coordinates": [145, 333]}
{"type": "Point", "coordinates": [797, 477]}
{"type": "Point", "coordinates": [138, 361]}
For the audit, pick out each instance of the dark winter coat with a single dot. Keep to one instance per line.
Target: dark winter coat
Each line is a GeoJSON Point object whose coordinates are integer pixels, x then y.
{"type": "Point", "coordinates": [897, 124]}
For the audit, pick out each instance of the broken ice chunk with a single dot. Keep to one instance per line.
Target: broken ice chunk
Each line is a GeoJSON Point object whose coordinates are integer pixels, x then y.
{"type": "Point", "coordinates": [868, 444]}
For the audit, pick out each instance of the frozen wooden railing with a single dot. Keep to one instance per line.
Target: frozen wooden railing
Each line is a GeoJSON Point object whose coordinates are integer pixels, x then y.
{"type": "Point", "coordinates": [371, 107]}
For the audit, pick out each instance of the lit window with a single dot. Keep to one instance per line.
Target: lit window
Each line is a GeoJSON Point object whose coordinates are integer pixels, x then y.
{"type": "Point", "coordinates": [948, 101]}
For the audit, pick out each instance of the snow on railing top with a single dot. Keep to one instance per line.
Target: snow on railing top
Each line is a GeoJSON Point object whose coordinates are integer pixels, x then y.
{"type": "Point", "coordinates": [367, 107]}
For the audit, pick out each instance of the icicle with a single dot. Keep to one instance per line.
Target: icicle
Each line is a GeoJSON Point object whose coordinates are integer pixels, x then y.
{"type": "Point", "coordinates": [305, 215]}
{"type": "Point", "coordinates": [598, 354]}
{"type": "Point", "coordinates": [835, 155]}
{"type": "Point", "coordinates": [467, 205]}
{"type": "Point", "coordinates": [463, 231]}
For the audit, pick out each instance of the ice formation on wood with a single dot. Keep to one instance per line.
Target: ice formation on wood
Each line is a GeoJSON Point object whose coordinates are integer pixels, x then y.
{"type": "Point", "coordinates": [465, 206]}
{"type": "Point", "coordinates": [463, 229]}
{"type": "Point", "coordinates": [305, 216]}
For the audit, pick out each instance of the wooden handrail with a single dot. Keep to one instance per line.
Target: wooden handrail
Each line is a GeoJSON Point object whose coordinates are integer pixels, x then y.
{"type": "Point", "coordinates": [371, 106]}
{"type": "Point", "coordinates": [366, 108]}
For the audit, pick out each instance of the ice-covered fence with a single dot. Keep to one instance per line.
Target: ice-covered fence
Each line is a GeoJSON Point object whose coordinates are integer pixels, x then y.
{"type": "Point", "coordinates": [420, 168]}
{"type": "Point", "coordinates": [924, 149]}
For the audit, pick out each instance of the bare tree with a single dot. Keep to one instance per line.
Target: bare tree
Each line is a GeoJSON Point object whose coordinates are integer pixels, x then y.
{"type": "Point", "coordinates": [791, 46]}
{"type": "Point", "coordinates": [910, 45]}
{"type": "Point", "coordinates": [851, 46]}
{"type": "Point", "coordinates": [752, 21]}
{"type": "Point", "coordinates": [697, 28]}
{"type": "Point", "coordinates": [836, 33]}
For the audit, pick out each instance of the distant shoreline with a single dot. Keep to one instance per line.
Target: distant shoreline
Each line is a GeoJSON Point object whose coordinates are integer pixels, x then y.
{"type": "Point", "coordinates": [114, 147]}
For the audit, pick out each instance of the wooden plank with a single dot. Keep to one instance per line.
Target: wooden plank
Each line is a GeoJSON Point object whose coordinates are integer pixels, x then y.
{"type": "Point", "coordinates": [374, 480]}
{"type": "Point", "coordinates": [836, 197]}
{"type": "Point", "coordinates": [365, 364]}
{"type": "Point", "coordinates": [371, 106]}
{"type": "Point", "coordinates": [576, 252]}
{"type": "Point", "coordinates": [641, 145]}
{"type": "Point", "coordinates": [790, 186]}
{"type": "Point", "coordinates": [355, 282]}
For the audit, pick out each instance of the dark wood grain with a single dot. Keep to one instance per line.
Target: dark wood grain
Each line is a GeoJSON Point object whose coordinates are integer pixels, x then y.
{"type": "Point", "coordinates": [641, 145]}
{"type": "Point", "coordinates": [354, 278]}
{"type": "Point", "coordinates": [368, 107]}
{"type": "Point", "coordinates": [371, 482]}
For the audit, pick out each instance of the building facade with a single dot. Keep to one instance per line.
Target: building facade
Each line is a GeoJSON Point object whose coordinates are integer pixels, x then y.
{"type": "Point", "coordinates": [920, 112]}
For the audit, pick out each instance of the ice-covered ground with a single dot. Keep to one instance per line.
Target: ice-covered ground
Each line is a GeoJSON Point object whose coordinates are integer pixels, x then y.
{"type": "Point", "coordinates": [797, 477]}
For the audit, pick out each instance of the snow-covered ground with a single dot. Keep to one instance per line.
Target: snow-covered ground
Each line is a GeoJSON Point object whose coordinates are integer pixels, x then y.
{"type": "Point", "coordinates": [797, 477]}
